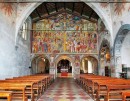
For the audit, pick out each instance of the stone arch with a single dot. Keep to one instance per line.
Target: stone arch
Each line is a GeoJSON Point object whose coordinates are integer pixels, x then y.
{"type": "Point", "coordinates": [102, 43]}
{"type": "Point", "coordinates": [60, 57]}
{"type": "Point", "coordinates": [95, 66]}
{"type": "Point", "coordinates": [68, 57]}
{"type": "Point", "coordinates": [103, 50]}
{"type": "Point", "coordinates": [120, 36]}
{"type": "Point", "coordinates": [35, 59]}
{"type": "Point", "coordinates": [20, 20]}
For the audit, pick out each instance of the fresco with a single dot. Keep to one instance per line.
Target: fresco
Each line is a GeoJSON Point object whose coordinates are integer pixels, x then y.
{"type": "Point", "coordinates": [64, 33]}
{"type": "Point", "coordinates": [119, 6]}
{"type": "Point", "coordinates": [10, 8]}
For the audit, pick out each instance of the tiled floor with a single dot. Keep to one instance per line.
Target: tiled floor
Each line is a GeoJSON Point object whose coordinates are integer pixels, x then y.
{"type": "Point", "coordinates": [65, 89]}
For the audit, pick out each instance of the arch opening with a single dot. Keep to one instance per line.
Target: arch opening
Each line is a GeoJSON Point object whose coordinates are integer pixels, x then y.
{"type": "Point", "coordinates": [89, 64]}
{"type": "Point", "coordinates": [105, 58]}
{"type": "Point", "coordinates": [121, 50]}
{"type": "Point", "coordinates": [40, 64]}
{"type": "Point", "coordinates": [64, 66]}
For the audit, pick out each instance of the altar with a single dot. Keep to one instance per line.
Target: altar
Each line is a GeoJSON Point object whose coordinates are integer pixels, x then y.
{"type": "Point", "coordinates": [64, 72]}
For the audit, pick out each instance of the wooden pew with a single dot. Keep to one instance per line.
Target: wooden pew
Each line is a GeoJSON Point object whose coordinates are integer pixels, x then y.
{"type": "Point", "coordinates": [125, 94]}
{"type": "Point", "coordinates": [102, 87]}
{"type": "Point", "coordinates": [97, 84]}
{"type": "Point", "coordinates": [7, 94]}
{"type": "Point", "coordinates": [114, 92]}
{"type": "Point", "coordinates": [13, 87]}
{"type": "Point", "coordinates": [30, 83]}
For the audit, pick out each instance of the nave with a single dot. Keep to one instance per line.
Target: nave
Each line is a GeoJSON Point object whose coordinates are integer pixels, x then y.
{"type": "Point", "coordinates": [65, 89]}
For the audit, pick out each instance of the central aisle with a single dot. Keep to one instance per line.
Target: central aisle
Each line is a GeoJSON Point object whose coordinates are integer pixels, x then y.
{"type": "Point", "coordinates": [65, 89]}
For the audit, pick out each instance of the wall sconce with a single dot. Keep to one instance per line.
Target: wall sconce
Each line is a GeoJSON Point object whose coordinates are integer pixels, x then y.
{"type": "Point", "coordinates": [44, 59]}
{"type": "Point", "coordinates": [108, 56]}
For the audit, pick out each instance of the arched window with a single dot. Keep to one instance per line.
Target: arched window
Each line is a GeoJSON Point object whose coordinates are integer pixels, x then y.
{"type": "Point", "coordinates": [24, 30]}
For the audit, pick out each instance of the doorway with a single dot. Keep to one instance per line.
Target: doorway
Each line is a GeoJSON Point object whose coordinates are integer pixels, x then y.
{"type": "Point", "coordinates": [64, 68]}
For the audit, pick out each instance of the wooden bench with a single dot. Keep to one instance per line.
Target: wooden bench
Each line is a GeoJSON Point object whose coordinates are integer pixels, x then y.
{"type": "Point", "coordinates": [7, 94]}
{"type": "Point", "coordinates": [102, 87]}
{"type": "Point", "coordinates": [13, 87]}
{"type": "Point", "coordinates": [97, 85]}
{"type": "Point", "coordinates": [27, 85]}
{"type": "Point", "coordinates": [125, 94]}
{"type": "Point", "coordinates": [114, 92]}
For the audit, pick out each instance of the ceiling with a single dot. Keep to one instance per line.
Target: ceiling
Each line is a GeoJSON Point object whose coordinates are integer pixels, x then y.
{"type": "Point", "coordinates": [48, 9]}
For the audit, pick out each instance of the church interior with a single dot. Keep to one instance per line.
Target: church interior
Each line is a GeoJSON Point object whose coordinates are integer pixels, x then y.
{"type": "Point", "coordinates": [64, 50]}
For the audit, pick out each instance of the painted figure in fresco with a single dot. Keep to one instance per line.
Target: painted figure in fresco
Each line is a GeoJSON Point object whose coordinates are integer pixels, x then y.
{"type": "Point", "coordinates": [49, 47]}
{"type": "Point", "coordinates": [77, 60]}
{"type": "Point", "coordinates": [75, 46]}
{"type": "Point", "coordinates": [78, 47]}
{"type": "Point", "coordinates": [35, 47]}
{"type": "Point", "coordinates": [72, 46]}
{"type": "Point", "coordinates": [45, 47]}
{"type": "Point", "coordinates": [65, 41]}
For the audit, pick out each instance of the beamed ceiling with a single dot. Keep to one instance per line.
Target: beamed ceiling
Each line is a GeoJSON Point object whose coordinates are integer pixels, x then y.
{"type": "Point", "coordinates": [48, 9]}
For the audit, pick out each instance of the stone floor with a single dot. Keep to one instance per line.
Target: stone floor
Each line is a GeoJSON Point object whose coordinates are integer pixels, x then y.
{"type": "Point", "coordinates": [65, 89]}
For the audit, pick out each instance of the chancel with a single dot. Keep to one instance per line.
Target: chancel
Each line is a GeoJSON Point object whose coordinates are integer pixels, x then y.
{"type": "Point", "coordinates": [64, 50]}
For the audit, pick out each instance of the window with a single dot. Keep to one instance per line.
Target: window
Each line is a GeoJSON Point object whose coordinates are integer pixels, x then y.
{"type": "Point", "coordinates": [24, 31]}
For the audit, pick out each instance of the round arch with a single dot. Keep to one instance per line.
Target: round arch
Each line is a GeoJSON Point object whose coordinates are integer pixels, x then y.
{"type": "Point", "coordinates": [106, 42]}
{"type": "Point", "coordinates": [67, 57]}
{"type": "Point", "coordinates": [93, 60]}
{"type": "Point", "coordinates": [20, 20]}
{"type": "Point", "coordinates": [35, 60]}
{"type": "Point", "coordinates": [104, 58]}
{"type": "Point", "coordinates": [120, 36]}
{"type": "Point", "coordinates": [60, 57]}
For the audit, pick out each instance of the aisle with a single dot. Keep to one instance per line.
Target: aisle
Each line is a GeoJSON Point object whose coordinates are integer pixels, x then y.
{"type": "Point", "coordinates": [65, 89]}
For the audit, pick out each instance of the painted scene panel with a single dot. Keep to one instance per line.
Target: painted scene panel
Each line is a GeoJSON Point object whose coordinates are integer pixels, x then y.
{"type": "Point", "coordinates": [64, 33]}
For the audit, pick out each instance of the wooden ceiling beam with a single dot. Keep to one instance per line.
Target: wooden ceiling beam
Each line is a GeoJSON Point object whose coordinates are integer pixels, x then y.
{"type": "Point", "coordinates": [45, 4]}
{"type": "Point", "coordinates": [48, 16]}
{"type": "Point", "coordinates": [62, 11]}
{"type": "Point", "coordinates": [82, 9]}
{"type": "Point", "coordinates": [73, 7]}
{"type": "Point", "coordinates": [64, 5]}
{"type": "Point", "coordinates": [91, 14]}
{"type": "Point", "coordinates": [56, 7]}
{"type": "Point", "coordinates": [38, 13]}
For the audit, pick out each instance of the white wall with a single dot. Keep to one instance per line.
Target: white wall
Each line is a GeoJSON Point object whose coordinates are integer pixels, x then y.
{"type": "Point", "coordinates": [125, 52]}
{"type": "Point", "coordinates": [90, 67]}
{"type": "Point", "coordinates": [12, 62]}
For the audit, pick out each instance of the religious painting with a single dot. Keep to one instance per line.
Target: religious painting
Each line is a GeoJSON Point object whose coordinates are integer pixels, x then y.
{"type": "Point", "coordinates": [64, 33]}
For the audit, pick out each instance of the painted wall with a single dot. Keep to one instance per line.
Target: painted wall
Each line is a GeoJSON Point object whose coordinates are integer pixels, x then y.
{"type": "Point", "coordinates": [120, 14]}
{"type": "Point", "coordinates": [18, 60]}
{"type": "Point", "coordinates": [64, 33]}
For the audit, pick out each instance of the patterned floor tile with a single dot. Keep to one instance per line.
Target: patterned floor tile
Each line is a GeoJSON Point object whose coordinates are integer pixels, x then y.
{"type": "Point", "coordinates": [65, 89]}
